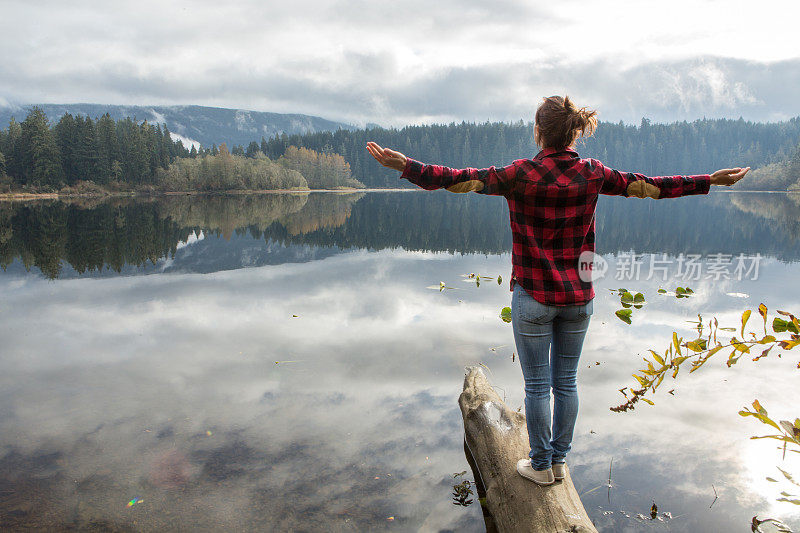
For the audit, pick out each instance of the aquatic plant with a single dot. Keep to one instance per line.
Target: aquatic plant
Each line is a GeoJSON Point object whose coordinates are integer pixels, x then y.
{"type": "Point", "coordinates": [698, 352]}
{"type": "Point", "coordinates": [785, 335]}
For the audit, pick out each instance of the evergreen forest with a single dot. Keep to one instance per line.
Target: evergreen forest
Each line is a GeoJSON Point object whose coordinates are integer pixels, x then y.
{"type": "Point", "coordinates": [80, 154]}
{"type": "Point", "coordinates": [698, 147]}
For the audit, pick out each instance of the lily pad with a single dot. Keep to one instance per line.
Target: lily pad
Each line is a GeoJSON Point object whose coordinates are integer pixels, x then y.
{"type": "Point", "coordinates": [626, 297]}
{"type": "Point", "coordinates": [624, 315]}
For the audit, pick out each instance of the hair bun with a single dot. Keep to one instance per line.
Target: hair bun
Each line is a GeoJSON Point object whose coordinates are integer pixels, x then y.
{"type": "Point", "coordinates": [560, 122]}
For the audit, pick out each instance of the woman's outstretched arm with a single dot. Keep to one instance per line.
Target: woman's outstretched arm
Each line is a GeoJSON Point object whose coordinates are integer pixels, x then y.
{"type": "Point", "coordinates": [641, 186]}
{"type": "Point", "coordinates": [487, 180]}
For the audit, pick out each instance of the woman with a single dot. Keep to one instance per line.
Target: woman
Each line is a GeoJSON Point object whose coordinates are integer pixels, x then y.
{"type": "Point", "coordinates": [551, 201]}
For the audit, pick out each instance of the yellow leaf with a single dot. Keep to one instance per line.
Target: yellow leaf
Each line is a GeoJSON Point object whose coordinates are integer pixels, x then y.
{"type": "Point", "coordinates": [745, 318]}
{"type": "Point", "coordinates": [757, 407]}
{"type": "Point", "coordinates": [742, 347]}
{"type": "Point", "coordinates": [657, 357]}
{"type": "Point", "coordinates": [696, 345]}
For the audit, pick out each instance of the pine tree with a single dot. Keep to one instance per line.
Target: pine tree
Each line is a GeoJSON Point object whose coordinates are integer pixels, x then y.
{"type": "Point", "coordinates": [12, 148]}
{"type": "Point", "coordinates": [86, 156]}
{"type": "Point", "coordinates": [107, 148]}
{"type": "Point", "coordinates": [166, 148]}
{"type": "Point", "coordinates": [134, 153]}
{"type": "Point", "coordinates": [152, 136]}
{"type": "Point", "coordinates": [140, 155]}
{"type": "Point", "coordinates": [252, 149]}
{"type": "Point", "coordinates": [66, 134]}
{"type": "Point", "coordinates": [40, 157]}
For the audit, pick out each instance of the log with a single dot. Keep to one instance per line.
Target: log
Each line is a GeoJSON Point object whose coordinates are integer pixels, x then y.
{"type": "Point", "coordinates": [495, 438]}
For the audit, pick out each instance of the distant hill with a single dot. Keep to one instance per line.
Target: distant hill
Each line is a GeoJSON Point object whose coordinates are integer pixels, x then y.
{"type": "Point", "coordinates": [206, 125]}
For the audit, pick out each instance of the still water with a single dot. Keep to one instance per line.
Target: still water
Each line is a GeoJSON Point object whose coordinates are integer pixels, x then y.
{"type": "Point", "coordinates": [281, 362]}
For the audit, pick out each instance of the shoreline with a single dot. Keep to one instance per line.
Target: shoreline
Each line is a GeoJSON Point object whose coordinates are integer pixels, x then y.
{"type": "Point", "coordinates": [28, 196]}
{"type": "Point", "coordinates": [790, 191]}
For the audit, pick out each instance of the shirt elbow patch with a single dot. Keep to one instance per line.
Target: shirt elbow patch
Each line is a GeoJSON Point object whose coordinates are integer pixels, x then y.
{"type": "Point", "coordinates": [467, 186]}
{"type": "Point", "coordinates": [642, 189]}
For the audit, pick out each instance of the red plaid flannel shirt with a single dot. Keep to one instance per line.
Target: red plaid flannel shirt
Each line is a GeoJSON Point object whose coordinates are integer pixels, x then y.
{"type": "Point", "coordinates": [551, 203]}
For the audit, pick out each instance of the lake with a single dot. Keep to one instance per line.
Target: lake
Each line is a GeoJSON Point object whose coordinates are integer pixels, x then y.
{"type": "Point", "coordinates": [289, 362]}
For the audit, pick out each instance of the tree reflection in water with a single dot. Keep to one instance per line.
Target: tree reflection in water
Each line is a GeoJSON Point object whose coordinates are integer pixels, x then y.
{"type": "Point", "coordinates": [94, 235]}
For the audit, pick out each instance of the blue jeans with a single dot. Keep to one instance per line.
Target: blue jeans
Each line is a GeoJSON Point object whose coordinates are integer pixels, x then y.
{"type": "Point", "coordinates": [537, 328]}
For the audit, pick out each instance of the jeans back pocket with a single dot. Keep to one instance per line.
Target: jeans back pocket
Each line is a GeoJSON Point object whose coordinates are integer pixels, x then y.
{"type": "Point", "coordinates": [528, 309]}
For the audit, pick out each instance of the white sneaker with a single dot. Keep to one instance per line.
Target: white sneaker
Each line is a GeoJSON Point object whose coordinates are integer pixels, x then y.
{"type": "Point", "coordinates": [559, 470]}
{"type": "Point", "coordinates": [540, 477]}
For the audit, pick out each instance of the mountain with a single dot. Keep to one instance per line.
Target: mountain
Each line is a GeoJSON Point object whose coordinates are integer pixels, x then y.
{"type": "Point", "coordinates": [206, 125]}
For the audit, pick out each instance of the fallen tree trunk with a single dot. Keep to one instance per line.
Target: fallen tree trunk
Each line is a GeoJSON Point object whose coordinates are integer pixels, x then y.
{"type": "Point", "coordinates": [496, 438]}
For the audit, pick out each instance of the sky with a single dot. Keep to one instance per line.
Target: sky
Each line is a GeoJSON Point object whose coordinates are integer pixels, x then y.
{"type": "Point", "coordinates": [415, 61]}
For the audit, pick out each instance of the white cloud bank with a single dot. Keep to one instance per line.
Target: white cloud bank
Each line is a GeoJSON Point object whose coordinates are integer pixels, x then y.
{"type": "Point", "coordinates": [413, 61]}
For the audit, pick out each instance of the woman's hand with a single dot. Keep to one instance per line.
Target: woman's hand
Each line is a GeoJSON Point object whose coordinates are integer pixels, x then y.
{"type": "Point", "coordinates": [728, 176]}
{"type": "Point", "coordinates": [386, 157]}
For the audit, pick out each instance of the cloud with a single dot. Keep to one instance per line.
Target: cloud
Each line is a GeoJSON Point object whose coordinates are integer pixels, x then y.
{"type": "Point", "coordinates": [360, 61]}
{"type": "Point", "coordinates": [371, 88]}
{"type": "Point", "coordinates": [187, 143]}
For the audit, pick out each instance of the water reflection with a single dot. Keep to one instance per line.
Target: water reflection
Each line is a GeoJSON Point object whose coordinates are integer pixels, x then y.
{"type": "Point", "coordinates": [120, 233]}
{"type": "Point", "coordinates": [165, 387]}
{"type": "Point", "coordinates": [133, 236]}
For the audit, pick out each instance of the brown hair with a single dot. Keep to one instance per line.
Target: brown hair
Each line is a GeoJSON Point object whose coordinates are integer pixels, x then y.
{"type": "Point", "coordinates": [560, 122]}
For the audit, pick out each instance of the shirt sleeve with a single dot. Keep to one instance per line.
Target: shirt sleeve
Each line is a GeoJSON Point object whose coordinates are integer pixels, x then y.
{"type": "Point", "coordinates": [641, 186]}
{"type": "Point", "coordinates": [494, 180]}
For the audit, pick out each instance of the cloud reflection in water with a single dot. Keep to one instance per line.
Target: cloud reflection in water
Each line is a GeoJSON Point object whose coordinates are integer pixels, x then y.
{"type": "Point", "coordinates": [166, 387]}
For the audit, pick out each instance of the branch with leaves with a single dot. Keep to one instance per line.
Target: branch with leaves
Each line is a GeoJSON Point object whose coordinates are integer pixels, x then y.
{"type": "Point", "coordinates": [785, 334]}
{"type": "Point", "coordinates": [788, 434]}
{"type": "Point", "coordinates": [698, 351]}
